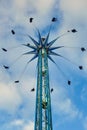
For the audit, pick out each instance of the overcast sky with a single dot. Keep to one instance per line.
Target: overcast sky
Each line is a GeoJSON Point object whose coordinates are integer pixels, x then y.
{"type": "Point", "coordinates": [17, 102]}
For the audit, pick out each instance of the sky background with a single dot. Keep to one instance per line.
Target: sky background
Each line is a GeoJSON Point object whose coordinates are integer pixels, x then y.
{"type": "Point", "coordinates": [69, 103]}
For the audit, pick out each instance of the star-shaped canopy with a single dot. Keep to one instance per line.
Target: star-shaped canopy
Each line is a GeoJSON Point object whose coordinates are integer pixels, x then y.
{"type": "Point", "coordinates": [44, 43]}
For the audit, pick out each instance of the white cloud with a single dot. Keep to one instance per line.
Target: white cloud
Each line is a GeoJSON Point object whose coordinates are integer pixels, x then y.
{"type": "Point", "coordinates": [20, 4]}
{"type": "Point", "coordinates": [44, 6]}
{"type": "Point", "coordinates": [20, 11]}
{"type": "Point", "coordinates": [9, 98]}
{"type": "Point", "coordinates": [29, 126]}
{"type": "Point", "coordinates": [63, 105]}
{"type": "Point", "coordinates": [73, 6]}
{"type": "Point", "coordinates": [74, 11]}
{"type": "Point", "coordinates": [17, 122]}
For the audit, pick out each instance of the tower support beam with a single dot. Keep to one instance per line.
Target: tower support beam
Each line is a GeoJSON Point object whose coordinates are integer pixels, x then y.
{"type": "Point", "coordinates": [43, 116]}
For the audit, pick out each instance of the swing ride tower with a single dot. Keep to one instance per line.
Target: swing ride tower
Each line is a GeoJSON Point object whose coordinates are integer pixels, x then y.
{"type": "Point", "coordinates": [43, 49]}
{"type": "Point", "coordinates": [43, 116]}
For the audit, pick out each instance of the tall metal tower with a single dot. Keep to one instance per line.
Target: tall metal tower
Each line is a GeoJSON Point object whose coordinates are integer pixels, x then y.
{"type": "Point", "coordinates": [43, 50]}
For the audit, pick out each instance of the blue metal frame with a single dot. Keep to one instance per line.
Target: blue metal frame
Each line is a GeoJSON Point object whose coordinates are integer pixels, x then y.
{"type": "Point", "coordinates": [43, 49]}
{"type": "Point", "coordinates": [38, 115]}
{"type": "Point", "coordinates": [43, 116]}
